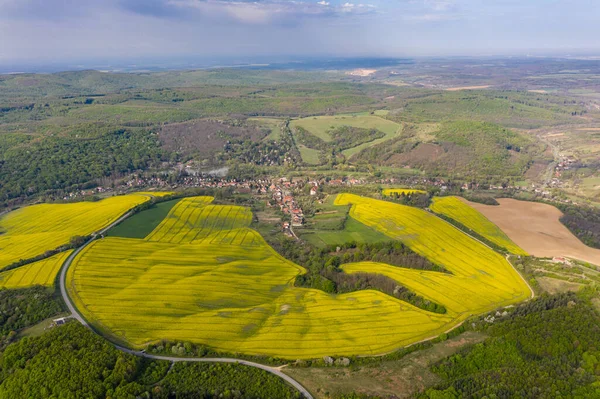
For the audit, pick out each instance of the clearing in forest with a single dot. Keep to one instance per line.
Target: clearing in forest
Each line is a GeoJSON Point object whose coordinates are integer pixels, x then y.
{"type": "Point", "coordinates": [321, 126]}
{"type": "Point", "coordinates": [204, 276]}
{"type": "Point", "coordinates": [459, 210]}
{"type": "Point", "coordinates": [33, 230]}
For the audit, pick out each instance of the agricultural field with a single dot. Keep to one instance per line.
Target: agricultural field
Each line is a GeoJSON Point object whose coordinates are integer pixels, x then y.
{"type": "Point", "coordinates": [309, 155]}
{"type": "Point", "coordinates": [480, 278]}
{"type": "Point", "coordinates": [536, 228]}
{"type": "Point", "coordinates": [42, 272]}
{"type": "Point", "coordinates": [33, 230]}
{"type": "Point", "coordinates": [194, 220]}
{"type": "Point", "coordinates": [203, 276]}
{"type": "Point", "coordinates": [320, 126]}
{"type": "Point", "coordinates": [459, 210]}
{"type": "Point", "coordinates": [353, 231]}
{"type": "Point", "coordinates": [143, 223]}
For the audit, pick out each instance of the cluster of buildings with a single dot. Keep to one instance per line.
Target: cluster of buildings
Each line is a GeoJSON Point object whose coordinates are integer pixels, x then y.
{"type": "Point", "coordinates": [282, 195]}
{"type": "Point", "coordinates": [564, 163]}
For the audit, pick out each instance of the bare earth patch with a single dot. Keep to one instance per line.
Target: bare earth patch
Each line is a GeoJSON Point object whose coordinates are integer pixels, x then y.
{"type": "Point", "coordinates": [555, 286]}
{"type": "Point", "coordinates": [536, 228]}
{"type": "Point", "coordinates": [389, 379]}
{"type": "Point", "coordinates": [361, 72]}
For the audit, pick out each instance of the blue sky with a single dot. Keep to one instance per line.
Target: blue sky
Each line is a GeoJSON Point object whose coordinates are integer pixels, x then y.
{"type": "Point", "coordinates": [65, 30]}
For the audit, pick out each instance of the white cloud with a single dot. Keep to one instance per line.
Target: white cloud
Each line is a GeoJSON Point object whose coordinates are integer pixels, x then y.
{"type": "Point", "coordinates": [440, 5]}
{"type": "Point", "coordinates": [262, 12]}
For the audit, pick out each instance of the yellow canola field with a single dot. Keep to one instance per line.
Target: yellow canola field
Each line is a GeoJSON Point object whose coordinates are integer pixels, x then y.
{"type": "Point", "coordinates": [42, 272]}
{"type": "Point", "coordinates": [194, 220]}
{"type": "Point", "coordinates": [458, 210]}
{"type": "Point", "coordinates": [33, 230]}
{"type": "Point", "coordinates": [156, 193]}
{"type": "Point", "coordinates": [481, 278]}
{"type": "Point", "coordinates": [387, 192]}
{"type": "Point", "coordinates": [237, 295]}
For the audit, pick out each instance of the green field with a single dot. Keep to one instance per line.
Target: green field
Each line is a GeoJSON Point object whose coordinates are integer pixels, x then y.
{"type": "Point", "coordinates": [272, 124]}
{"type": "Point", "coordinates": [320, 125]}
{"type": "Point", "coordinates": [354, 231]}
{"type": "Point", "coordinates": [141, 224]}
{"type": "Point", "coordinates": [309, 155]}
{"type": "Point", "coordinates": [203, 276]}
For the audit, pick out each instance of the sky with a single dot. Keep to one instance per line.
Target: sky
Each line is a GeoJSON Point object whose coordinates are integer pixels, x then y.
{"type": "Point", "coordinates": [37, 31]}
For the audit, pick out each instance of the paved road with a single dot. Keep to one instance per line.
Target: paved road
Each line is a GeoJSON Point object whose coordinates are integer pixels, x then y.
{"type": "Point", "coordinates": [79, 317]}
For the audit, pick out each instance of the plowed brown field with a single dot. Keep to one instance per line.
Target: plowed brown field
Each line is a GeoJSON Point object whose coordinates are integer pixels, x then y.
{"type": "Point", "coordinates": [536, 228]}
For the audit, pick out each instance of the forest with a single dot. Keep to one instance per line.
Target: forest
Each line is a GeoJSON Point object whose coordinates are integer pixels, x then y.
{"type": "Point", "coordinates": [20, 308]}
{"type": "Point", "coordinates": [546, 348]}
{"type": "Point", "coordinates": [72, 362]}
{"type": "Point", "coordinates": [62, 163]}
{"type": "Point", "coordinates": [583, 221]}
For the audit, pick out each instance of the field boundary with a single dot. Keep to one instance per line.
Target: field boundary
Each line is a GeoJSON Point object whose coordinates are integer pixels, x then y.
{"type": "Point", "coordinates": [478, 240]}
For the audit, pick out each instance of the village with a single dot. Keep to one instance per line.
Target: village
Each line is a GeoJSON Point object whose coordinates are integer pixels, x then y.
{"type": "Point", "coordinates": [282, 191]}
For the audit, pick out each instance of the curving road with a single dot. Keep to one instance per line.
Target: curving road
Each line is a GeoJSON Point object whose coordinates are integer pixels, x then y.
{"type": "Point", "coordinates": [75, 314]}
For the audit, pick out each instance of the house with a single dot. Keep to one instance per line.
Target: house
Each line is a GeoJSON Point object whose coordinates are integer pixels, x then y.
{"type": "Point", "coordinates": [60, 321]}
{"type": "Point", "coordinates": [313, 190]}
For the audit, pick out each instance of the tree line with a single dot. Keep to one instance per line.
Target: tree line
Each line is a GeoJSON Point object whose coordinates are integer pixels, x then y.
{"type": "Point", "coordinates": [324, 270]}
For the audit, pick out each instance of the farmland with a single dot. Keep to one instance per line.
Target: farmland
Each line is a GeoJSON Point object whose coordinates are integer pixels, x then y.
{"type": "Point", "coordinates": [203, 276]}
{"type": "Point", "coordinates": [487, 278]}
{"type": "Point", "coordinates": [536, 228]}
{"type": "Point", "coordinates": [455, 208]}
{"type": "Point", "coordinates": [33, 230]}
{"type": "Point", "coordinates": [42, 272]}
{"type": "Point", "coordinates": [322, 126]}
{"type": "Point", "coordinates": [142, 224]}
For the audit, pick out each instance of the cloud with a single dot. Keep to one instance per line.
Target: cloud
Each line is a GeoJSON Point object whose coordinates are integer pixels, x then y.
{"type": "Point", "coordinates": [265, 11]}
{"type": "Point", "coordinates": [63, 30]}
{"type": "Point", "coordinates": [440, 5]}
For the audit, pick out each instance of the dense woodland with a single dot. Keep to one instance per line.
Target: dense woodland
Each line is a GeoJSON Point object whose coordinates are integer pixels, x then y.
{"type": "Point", "coordinates": [416, 199]}
{"type": "Point", "coordinates": [62, 163]}
{"type": "Point", "coordinates": [72, 362]}
{"type": "Point", "coordinates": [547, 348]}
{"type": "Point", "coordinates": [266, 153]}
{"type": "Point", "coordinates": [20, 308]}
{"type": "Point", "coordinates": [584, 222]}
